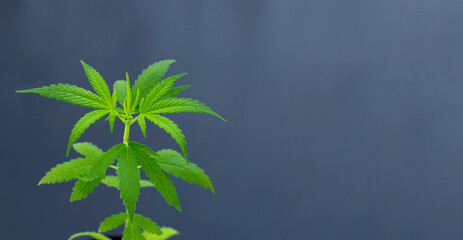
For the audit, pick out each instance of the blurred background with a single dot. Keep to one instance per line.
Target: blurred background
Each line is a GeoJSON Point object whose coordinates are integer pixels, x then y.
{"type": "Point", "coordinates": [345, 118]}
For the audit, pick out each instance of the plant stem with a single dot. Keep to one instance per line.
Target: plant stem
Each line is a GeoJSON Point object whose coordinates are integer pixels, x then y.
{"type": "Point", "coordinates": [126, 133]}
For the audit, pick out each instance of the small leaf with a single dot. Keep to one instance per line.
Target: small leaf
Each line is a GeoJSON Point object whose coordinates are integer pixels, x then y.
{"type": "Point", "coordinates": [83, 124]}
{"type": "Point", "coordinates": [178, 105]}
{"type": "Point", "coordinates": [142, 123]}
{"type": "Point", "coordinates": [71, 94]}
{"type": "Point", "coordinates": [174, 92]}
{"type": "Point", "coordinates": [111, 181]}
{"type": "Point", "coordinates": [128, 176]}
{"type": "Point", "coordinates": [173, 163]}
{"type": "Point", "coordinates": [98, 169]}
{"type": "Point", "coordinates": [98, 84]}
{"type": "Point", "coordinates": [112, 222]}
{"type": "Point", "coordinates": [97, 236]}
{"type": "Point", "coordinates": [132, 232]}
{"type": "Point", "coordinates": [111, 119]}
{"type": "Point", "coordinates": [170, 127]}
{"type": "Point", "coordinates": [167, 232]}
{"type": "Point", "coordinates": [87, 149]}
{"type": "Point", "coordinates": [147, 225]}
{"type": "Point", "coordinates": [83, 188]}
{"type": "Point", "coordinates": [67, 171]}
{"type": "Point", "coordinates": [159, 91]}
{"type": "Point", "coordinates": [150, 77]}
{"type": "Point", "coordinates": [160, 180]}
{"type": "Point", "coordinates": [120, 87]}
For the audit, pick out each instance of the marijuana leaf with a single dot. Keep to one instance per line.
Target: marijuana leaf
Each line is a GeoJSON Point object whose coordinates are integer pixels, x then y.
{"type": "Point", "coordinates": [120, 87]}
{"type": "Point", "coordinates": [142, 123]}
{"type": "Point", "coordinates": [83, 124]}
{"type": "Point", "coordinates": [67, 171]}
{"type": "Point", "coordinates": [98, 84]}
{"type": "Point", "coordinates": [97, 236]}
{"type": "Point", "coordinates": [128, 176]}
{"type": "Point", "coordinates": [111, 181]}
{"type": "Point", "coordinates": [112, 222]}
{"type": "Point", "coordinates": [83, 188]}
{"type": "Point", "coordinates": [173, 163]}
{"type": "Point", "coordinates": [178, 105]}
{"type": "Point", "coordinates": [87, 149]}
{"type": "Point", "coordinates": [174, 92]}
{"type": "Point", "coordinates": [150, 77]}
{"type": "Point", "coordinates": [132, 232]}
{"type": "Point", "coordinates": [154, 172]}
{"type": "Point", "coordinates": [98, 169]}
{"type": "Point", "coordinates": [71, 94]}
{"type": "Point", "coordinates": [170, 127]}
{"type": "Point", "coordinates": [167, 232]}
{"type": "Point", "coordinates": [147, 225]}
{"type": "Point", "coordinates": [159, 91]}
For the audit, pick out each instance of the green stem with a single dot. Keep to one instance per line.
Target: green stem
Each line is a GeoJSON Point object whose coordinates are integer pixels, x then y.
{"type": "Point", "coordinates": [126, 133]}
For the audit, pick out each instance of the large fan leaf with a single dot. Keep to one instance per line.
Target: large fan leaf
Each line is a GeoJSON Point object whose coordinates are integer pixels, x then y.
{"type": "Point", "coordinates": [150, 77]}
{"type": "Point", "coordinates": [128, 176]}
{"type": "Point", "coordinates": [154, 172]}
{"type": "Point", "coordinates": [178, 105]}
{"type": "Point", "coordinates": [71, 94]}
{"type": "Point", "coordinates": [83, 124]}
{"type": "Point", "coordinates": [98, 84]}
{"type": "Point", "coordinates": [173, 163]}
{"type": "Point", "coordinates": [170, 127]}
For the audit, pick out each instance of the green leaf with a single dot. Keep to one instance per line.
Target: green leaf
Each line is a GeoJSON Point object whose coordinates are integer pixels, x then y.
{"type": "Point", "coordinates": [159, 91]}
{"type": "Point", "coordinates": [150, 77]}
{"type": "Point", "coordinates": [128, 176]}
{"type": "Point", "coordinates": [132, 232]}
{"type": "Point", "coordinates": [112, 222]}
{"type": "Point", "coordinates": [97, 236]}
{"type": "Point", "coordinates": [174, 92]}
{"type": "Point", "coordinates": [173, 163]}
{"type": "Point", "coordinates": [83, 124]}
{"type": "Point", "coordinates": [111, 181]}
{"type": "Point", "coordinates": [142, 123]}
{"type": "Point", "coordinates": [154, 172]}
{"type": "Point", "coordinates": [111, 119]}
{"type": "Point", "coordinates": [83, 188]}
{"type": "Point", "coordinates": [98, 169]}
{"type": "Point", "coordinates": [120, 87]}
{"type": "Point", "coordinates": [178, 105]}
{"type": "Point", "coordinates": [71, 94]}
{"type": "Point", "coordinates": [170, 127]}
{"type": "Point", "coordinates": [87, 149]}
{"type": "Point", "coordinates": [67, 171]}
{"type": "Point", "coordinates": [147, 225]}
{"type": "Point", "coordinates": [98, 84]}
{"type": "Point", "coordinates": [167, 232]}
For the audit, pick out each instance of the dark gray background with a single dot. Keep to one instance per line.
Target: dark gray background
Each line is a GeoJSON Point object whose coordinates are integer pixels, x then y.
{"type": "Point", "coordinates": [345, 117]}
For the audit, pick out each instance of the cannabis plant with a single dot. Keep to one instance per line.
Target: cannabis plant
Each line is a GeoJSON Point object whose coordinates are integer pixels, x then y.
{"type": "Point", "coordinates": [146, 100]}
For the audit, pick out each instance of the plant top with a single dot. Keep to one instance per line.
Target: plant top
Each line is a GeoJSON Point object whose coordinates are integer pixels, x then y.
{"type": "Point", "coordinates": [147, 99]}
